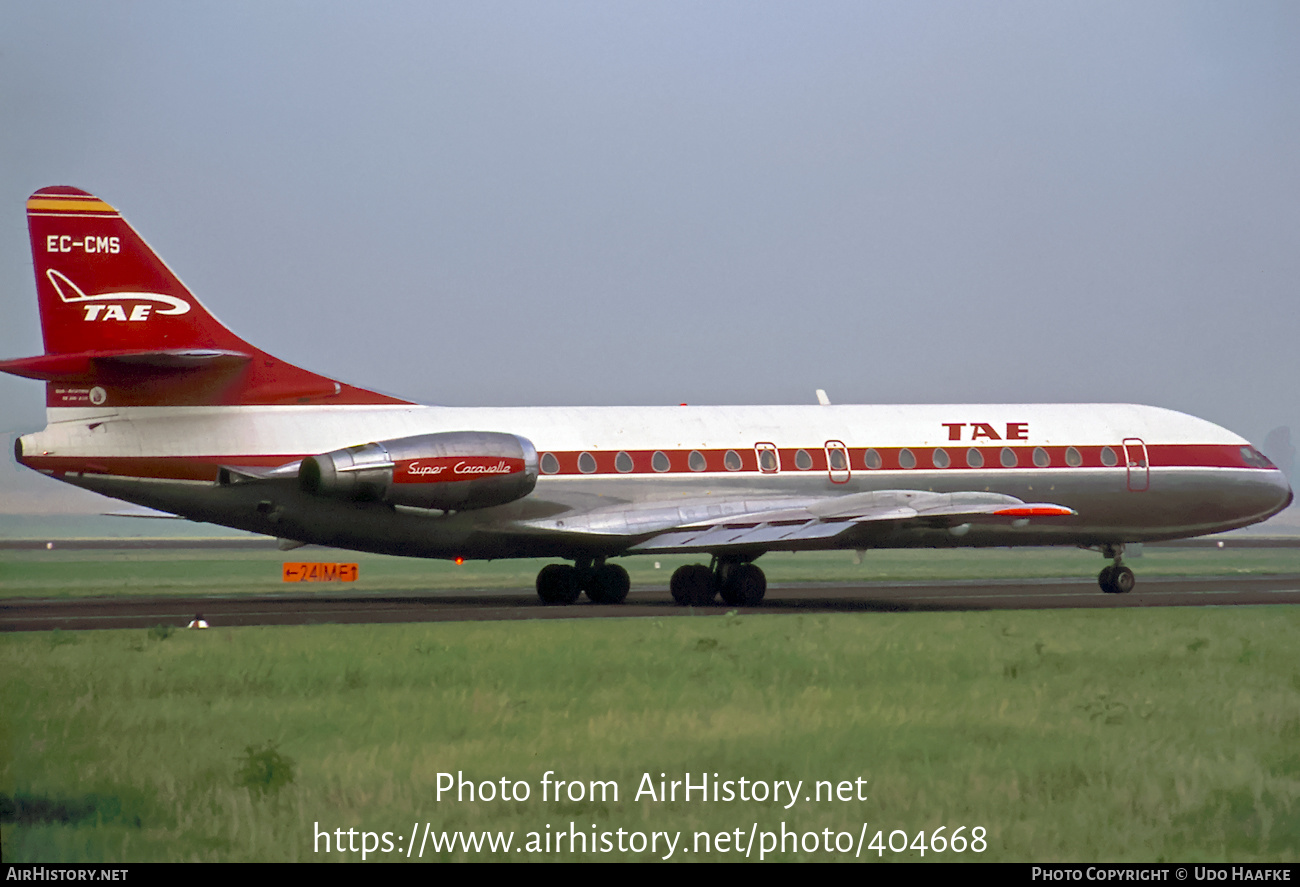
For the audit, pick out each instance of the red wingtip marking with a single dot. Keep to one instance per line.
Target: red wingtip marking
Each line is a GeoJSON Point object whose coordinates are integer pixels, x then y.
{"type": "Point", "coordinates": [1035, 511]}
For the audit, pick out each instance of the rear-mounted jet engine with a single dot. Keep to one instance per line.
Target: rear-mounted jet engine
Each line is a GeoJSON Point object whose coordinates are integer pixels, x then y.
{"type": "Point", "coordinates": [452, 471]}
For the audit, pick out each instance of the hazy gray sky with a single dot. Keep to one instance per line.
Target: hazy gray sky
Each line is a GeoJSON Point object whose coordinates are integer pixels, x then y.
{"type": "Point", "coordinates": [650, 203]}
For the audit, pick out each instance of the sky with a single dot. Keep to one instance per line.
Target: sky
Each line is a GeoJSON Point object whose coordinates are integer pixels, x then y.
{"type": "Point", "coordinates": [661, 202]}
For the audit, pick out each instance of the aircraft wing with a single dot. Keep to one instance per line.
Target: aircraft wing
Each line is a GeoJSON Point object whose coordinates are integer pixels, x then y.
{"type": "Point", "coordinates": [720, 523]}
{"type": "Point", "coordinates": [747, 523]}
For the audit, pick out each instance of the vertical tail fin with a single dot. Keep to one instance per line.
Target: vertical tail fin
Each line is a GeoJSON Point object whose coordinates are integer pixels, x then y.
{"type": "Point", "coordinates": [120, 328]}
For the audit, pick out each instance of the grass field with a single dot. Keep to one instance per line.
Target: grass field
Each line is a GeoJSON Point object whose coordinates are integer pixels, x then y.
{"type": "Point", "coordinates": [1085, 735]}
{"type": "Point", "coordinates": [1106, 735]}
{"type": "Point", "coordinates": [67, 573]}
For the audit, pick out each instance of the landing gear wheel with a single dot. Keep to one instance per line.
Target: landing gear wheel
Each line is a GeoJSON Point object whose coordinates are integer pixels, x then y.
{"type": "Point", "coordinates": [1116, 579]}
{"type": "Point", "coordinates": [693, 586]}
{"type": "Point", "coordinates": [558, 584]}
{"type": "Point", "coordinates": [1105, 577]}
{"type": "Point", "coordinates": [608, 584]}
{"type": "Point", "coordinates": [744, 586]}
{"type": "Point", "coordinates": [1122, 580]}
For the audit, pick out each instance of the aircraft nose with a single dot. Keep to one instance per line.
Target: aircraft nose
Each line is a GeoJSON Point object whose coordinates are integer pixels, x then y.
{"type": "Point", "coordinates": [1285, 495]}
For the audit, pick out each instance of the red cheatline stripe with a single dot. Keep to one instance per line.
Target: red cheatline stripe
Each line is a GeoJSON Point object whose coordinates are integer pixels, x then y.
{"type": "Point", "coordinates": [205, 467]}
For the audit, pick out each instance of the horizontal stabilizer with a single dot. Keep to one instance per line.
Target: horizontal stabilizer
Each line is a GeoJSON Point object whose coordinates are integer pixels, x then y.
{"type": "Point", "coordinates": [90, 366]}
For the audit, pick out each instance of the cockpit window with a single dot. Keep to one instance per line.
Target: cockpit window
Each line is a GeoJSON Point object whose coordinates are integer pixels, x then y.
{"type": "Point", "coordinates": [1255, 459]}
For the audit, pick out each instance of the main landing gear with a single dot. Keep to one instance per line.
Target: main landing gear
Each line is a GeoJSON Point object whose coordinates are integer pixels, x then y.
{"type": "Point", "coordinates": [739, 583]}
{"type": "Point", "coordinates": [604, 583]}
{"type": "Point", "coordinates": [1115, 578]}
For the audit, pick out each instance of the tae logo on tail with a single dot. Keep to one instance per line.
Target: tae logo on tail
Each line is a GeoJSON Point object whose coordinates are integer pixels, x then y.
{"type": "Point", "coordinates": [108, 306]}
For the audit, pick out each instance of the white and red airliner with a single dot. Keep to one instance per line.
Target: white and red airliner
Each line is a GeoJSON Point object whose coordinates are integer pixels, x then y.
{"type": "Point", "coordinates": [151, 400]}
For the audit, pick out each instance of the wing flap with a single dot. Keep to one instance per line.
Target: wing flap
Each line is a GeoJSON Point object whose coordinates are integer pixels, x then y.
{"type": "Point", "coordinates": [723, 538]}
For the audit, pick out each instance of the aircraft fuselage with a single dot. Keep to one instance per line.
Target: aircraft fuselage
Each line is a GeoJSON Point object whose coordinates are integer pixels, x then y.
{"type": "Point", "coordinates": [1169, 475]}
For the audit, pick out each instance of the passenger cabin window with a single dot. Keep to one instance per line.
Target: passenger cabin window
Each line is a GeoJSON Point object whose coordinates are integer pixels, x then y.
{"type": "Point", "coordinates": [587, 463]}
{"type": "Point", "coordinates": [906, 458]}
{"type": "Point", "coordinates": [659, 461]}
{"type": "Point", "coordinates": [802, 460]}
{"type": "Point", "coordinates": [1108, 457]}
{"type": "Point", "coordinates": [1008, 458]}
{"type": "Point", "coordinates": [941, 459]}
{"type": "Point", "coordinates": [696, 462]}
{"type": "Point", "coordinates": [872, 459]}
{"type": "Point", "coordinates": [1072, 457]}
{"type": "Point", "coordinates": [1041, 459]}
{"type": "Point", "coordinates": [732, 461]}
{"type": "Point", "coordinates": [623, 463]}
{"type": "Point", "coordinates": [550, 464]}
{"type": "Point", "coordinates": [837, 459]}
{"type": "Point", "coordinates": [974, 458]}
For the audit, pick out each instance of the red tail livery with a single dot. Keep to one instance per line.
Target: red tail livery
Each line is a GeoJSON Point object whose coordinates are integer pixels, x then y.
{"type": "Point", "coordinates": [121, 329]}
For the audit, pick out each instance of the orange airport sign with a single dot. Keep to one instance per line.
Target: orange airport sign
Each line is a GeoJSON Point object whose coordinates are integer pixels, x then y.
{"type": "Point", "coordinates": [314, 572]}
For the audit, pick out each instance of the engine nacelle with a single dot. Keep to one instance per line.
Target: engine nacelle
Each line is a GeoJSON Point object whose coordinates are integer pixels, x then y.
{"type": "Point", "coordinates": [452, 471]}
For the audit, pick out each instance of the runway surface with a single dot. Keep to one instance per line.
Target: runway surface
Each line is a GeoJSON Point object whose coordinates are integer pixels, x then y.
{"type": "Point", "coordinates": [315, 609]}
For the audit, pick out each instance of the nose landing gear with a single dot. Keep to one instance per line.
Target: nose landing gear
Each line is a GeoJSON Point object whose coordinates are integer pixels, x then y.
{"type": "Point", "coordinates": [1115, 578]}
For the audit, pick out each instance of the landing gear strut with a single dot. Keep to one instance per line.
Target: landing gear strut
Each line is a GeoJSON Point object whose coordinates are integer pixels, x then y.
{"type": "Point", "coordinates": [562, 584]}
{"type": "Point", "coordinates": [1115, 578]}
{"type": "Point", "coordinates": [740, 583]}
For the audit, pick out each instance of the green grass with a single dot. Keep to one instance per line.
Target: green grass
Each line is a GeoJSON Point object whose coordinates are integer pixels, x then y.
{"type": "Point", "coordinates": [1170, 733]}
{"type": "Point", "coordinates": [69, 573]}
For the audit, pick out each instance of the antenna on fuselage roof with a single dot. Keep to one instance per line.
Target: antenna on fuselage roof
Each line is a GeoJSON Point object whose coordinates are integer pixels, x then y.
{"type": "Point", "coordinates": [822, 398]}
